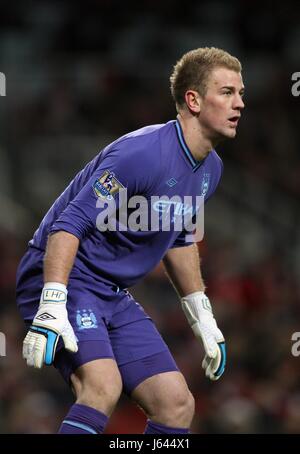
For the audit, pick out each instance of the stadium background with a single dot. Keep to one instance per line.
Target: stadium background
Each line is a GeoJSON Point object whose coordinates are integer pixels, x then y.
{"type": "Point", "coordinates": [79, 74]}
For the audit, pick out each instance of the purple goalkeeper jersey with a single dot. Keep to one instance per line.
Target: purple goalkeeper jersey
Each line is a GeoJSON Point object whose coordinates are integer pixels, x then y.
{"type": "Point", "coordinates": [152, 161]}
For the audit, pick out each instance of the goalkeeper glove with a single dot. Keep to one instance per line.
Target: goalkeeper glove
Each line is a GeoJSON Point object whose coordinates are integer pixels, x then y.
{"type": "Point", "coordinates": [50, 322]}
{"type": "Point", "coordinates": [198, 311]}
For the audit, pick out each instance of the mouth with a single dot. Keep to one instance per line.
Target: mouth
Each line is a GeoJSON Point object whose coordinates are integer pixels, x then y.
{"type": "Point", "coordinates": [234, 120]}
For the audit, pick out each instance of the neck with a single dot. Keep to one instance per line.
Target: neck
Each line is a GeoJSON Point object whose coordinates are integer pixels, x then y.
{"type": "Point", "coordinates": [195, 138]}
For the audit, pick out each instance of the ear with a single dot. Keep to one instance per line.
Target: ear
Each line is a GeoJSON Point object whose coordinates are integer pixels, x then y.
{"type": "Point", "coordinates": [193, 101]}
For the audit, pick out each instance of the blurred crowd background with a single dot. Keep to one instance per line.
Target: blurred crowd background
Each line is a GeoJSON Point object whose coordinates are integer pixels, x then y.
{"type": "Point", "coordinates": [80, 74]}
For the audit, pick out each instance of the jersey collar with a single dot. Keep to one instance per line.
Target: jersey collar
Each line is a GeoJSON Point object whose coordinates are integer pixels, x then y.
{"type": "Point", "coordinates": [194, 164]}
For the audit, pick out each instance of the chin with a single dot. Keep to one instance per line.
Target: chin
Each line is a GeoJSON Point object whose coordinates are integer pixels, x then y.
{"type": "Point", "coordinates": [225, 134]}
{"type": "Point", "coordinates": [230, 133]}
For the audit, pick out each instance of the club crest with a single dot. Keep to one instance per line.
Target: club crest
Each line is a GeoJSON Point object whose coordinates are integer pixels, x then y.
{"type": "Point", "coordinates": [205, 184]}
{"type": "Point", "coordinates": [86, 319]}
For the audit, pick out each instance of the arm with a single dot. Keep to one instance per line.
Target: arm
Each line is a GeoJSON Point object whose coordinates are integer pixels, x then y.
{"type": "Point", "coordinates": [183, 269]}
{"type": "Point", "coordinates": [51, 320]}
{"type": "Point", "coordinates": [59, 257]}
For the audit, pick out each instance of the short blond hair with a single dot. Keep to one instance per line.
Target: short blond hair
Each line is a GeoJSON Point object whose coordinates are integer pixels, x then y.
{"type": "Point", "coordinates": [192, 71]}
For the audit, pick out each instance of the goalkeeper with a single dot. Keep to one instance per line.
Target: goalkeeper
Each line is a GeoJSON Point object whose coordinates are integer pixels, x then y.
{"type": "Point", "coordinates": [72, 281]}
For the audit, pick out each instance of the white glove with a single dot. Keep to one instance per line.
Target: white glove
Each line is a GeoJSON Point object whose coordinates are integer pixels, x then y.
{"type": "Point", "coordinates": [50, 322]}
{"type": "Point", "coordinates": [198, 311]}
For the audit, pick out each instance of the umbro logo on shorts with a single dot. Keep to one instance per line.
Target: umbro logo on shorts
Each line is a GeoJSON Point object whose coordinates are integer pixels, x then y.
{"type": "Point", "coordinates": [45, 316]}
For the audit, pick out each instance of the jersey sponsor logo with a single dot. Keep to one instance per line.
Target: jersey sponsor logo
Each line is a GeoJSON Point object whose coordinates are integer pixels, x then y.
{"type": "Point", "coordinates": [86, 319]}
{"type": "Point", "coordinates": [107, 186]}
{"type": "Point", "coordinates": [205, 184]}
{"type": "Point", "coordinates": [164, 206]}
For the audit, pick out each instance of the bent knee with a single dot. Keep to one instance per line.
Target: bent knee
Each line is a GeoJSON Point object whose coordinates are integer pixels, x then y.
{"type": "Point", "coordinates": [182, 407]}
{"type": "Point", "coordinates": [98, 388]}
{"type": "Point", "coordinates": [177, 411]}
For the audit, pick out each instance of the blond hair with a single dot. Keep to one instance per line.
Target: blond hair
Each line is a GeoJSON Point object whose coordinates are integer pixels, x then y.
{"type": "Point", "coordinates": [192, 71]}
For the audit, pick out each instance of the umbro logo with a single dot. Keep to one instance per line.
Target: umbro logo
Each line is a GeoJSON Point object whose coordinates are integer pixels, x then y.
{"type": "Point", "coordinates": [171, 182]}
{"type": "Point", "coordinates": [45, 316]}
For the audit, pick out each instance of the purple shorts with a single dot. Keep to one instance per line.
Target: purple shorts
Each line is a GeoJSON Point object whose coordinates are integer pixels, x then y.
{"type": "Point", "coordinates": [118, 328]}
{"type": "Point", "coordinates": [108, 323]}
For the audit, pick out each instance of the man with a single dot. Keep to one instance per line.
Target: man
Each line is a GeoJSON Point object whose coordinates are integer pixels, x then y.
{"type": "Point", "coordinates": [71, 283]}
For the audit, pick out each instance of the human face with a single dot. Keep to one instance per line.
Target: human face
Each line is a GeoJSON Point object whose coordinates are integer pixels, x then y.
{"type": "Point", "coordinates": [221, 107]}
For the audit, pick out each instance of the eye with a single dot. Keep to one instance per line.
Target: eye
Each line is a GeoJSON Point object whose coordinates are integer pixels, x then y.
{"type": "Point", "coordinates": [227, 92]}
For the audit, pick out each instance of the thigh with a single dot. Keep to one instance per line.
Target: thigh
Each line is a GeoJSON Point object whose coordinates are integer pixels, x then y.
{"type": "Point", "coordinates": [138, 347]}
{"type": "Point", "coordinates": [90, 350]}
{"type": "Point", "coordinates": [137, 372]}
{"type": "Point", "coordinates": [160, 390]}
{"type": "Point", "coordinates": [89, 322]}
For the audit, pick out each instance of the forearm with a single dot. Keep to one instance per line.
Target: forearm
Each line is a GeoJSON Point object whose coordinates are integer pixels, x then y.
{"type": "Point", "coordinates": [59, 257]}
{"type": "Point", "coordinates": [183, 269]}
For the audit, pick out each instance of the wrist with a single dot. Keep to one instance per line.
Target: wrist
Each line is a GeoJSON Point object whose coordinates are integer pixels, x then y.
{"type": "Point", "coordinates": [197, 294]}
{"type": "Point", "coordinates": [197, 307]}
{"type": "Point", "coordinates": [53, 293]}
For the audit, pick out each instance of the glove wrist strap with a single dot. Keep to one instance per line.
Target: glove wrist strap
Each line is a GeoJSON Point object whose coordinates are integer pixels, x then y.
{"type": "Point", "coordinates": [54, 292]}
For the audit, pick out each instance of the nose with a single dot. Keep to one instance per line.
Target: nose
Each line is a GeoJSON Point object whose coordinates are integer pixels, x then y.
{"type": "Point", "coordinates": [238, 102]}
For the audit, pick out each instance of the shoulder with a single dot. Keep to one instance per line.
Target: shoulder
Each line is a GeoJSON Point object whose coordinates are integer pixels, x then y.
{"type": "Point", "coordinates": [136, 157]}
{"type": "Point", "coordinates": [138, 149]}
{"type": "Point", "coordinates": [143, 143]}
